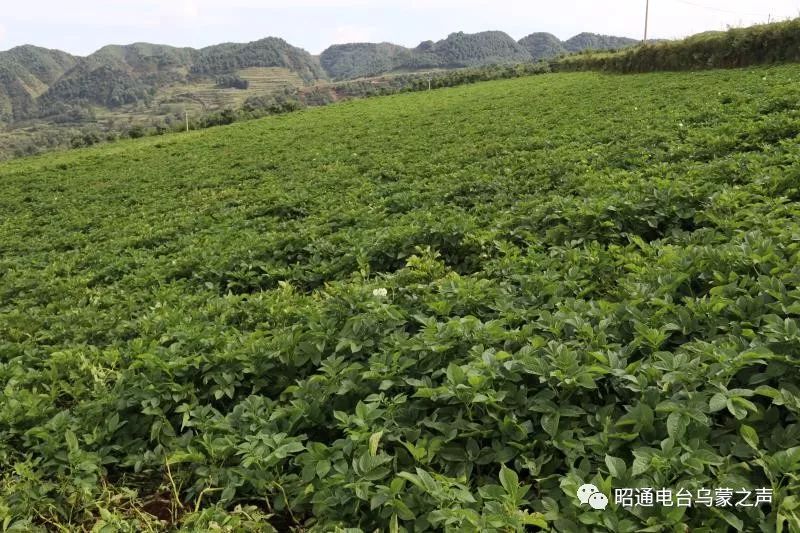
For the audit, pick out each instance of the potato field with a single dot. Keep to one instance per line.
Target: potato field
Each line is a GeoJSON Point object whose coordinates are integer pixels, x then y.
{"type": "Point", "coordinates": [436, 311]}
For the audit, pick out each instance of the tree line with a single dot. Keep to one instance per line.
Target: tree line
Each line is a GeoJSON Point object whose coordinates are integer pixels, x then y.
{"type": "Point", "coordinates": [738, 47]}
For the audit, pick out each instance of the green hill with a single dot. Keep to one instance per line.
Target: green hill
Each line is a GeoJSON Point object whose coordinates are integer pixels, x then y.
{"type": "Point", "coordinates": [143, 58]}
{"type": "Point", "coordinates": [594, 41]}
{"type": "Point", "coordinates": [469, 50]}
{"type": "Point", "coordinates": [458, 50]}
{"type": "Point", "coordinates": [25, 73]}
{"type": "Point", "coordinates": [269, 52]}
{"type": "Point", "coordinates": [358, 60]}
{"type": "Point", "coordinates": [543, 46]}
{"type": "Point", "coordinates": [118, 75]}
{"type": "Point", "coordinates": [436, 311]}
{"type": "Point", "coordinates": [546, 46]}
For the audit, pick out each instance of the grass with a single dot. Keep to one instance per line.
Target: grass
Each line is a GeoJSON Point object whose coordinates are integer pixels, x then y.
{"type": "Point", "coordinates": [438, 310]}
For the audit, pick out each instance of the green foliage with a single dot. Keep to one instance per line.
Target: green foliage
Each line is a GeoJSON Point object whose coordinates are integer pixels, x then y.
{"type": "Point", "coordinates": [434, 311]}
{"type": "Point", "coordinates": [738, 47]}
{"type": "Point", "coordinates": [145, 57]}
{"type": "Point", "coordinates": [470, 50]}
{"type": "Point", "coordinates": [104, 85]}
{"type": "Point", "coordinates": [278, 103]}
{"type": "Point", "coordinates": [543, 46]}
{"type": "Point", "coordinates": [269, 52]}
{"type": "Point", "coordinates": [116, 76]}
{"type": "Point", "coordinates": [86, 139]}
{"type": "Point", "coordinates": [232, 81]}
{"type": "Point", "coordinates": [136, 132]}
{"type": "Point", "coordinates": [357, 60]}
{"type": "Point", "coordinates": [458, 50]}
{"type": "Point", "coordinates": [24, 70]}
{"type": "Point", "coordinates": [41, 83]}
{"type": "Point", "coordinates": [594, 41]}
{"type": "Point", "coordinates": [323, 95]}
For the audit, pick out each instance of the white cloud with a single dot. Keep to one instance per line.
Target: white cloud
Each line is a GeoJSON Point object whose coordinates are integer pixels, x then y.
{"type": "Point", "coordinates": [354, 34]}
{"type": "Point", "coordinates": [3, 33]}
{"type": "Point", "coordinates": [189, 8]}
{"type": "Point", "coordinates": [175, 12]}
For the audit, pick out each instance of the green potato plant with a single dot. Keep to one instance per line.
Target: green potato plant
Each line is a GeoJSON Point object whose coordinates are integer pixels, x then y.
{"type": "Point", "coordinates": [437, 311]}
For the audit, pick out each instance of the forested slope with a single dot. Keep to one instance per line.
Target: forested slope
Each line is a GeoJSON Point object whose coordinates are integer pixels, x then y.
{"type": "Point", "coordinates": [25, 73]}
{"type": "Point", "coordinates": [118, 75]}
{"type": "Point", "coordinates": [456, 51]}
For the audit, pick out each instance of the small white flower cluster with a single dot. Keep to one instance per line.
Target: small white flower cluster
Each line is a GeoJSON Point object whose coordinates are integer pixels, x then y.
{"type": "Point", "coordinates": [380, 293]}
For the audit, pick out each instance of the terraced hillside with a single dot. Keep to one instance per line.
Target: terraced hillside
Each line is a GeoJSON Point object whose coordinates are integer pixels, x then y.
{"type": "Point", "coordinates": [434, 311]}
{"type": "Point", "coordinates": [207, 96]}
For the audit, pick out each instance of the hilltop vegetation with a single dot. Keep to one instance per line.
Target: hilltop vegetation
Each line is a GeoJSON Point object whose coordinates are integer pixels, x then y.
{"type": "Point", "coordinates": [738, 47]}
{"type": "Point", "coordinates": [594, 41]}
{"type": "Point", "coordinates": [25, 73]}
{"type": "Point", "coordinates": [118, 75]}
{"type": "Point", "coordinates": [357, 60]}
{"type": "Point", "coordinates": [547, 46]}
{"type": "Point", "coordinates": [434, 311]}
{"type": "Point", "coordinates": [458, 50]}
{"type": "Point", "coordinates": [469, 50]}
{"type": "Point", "coordinates": [269, 52]}
{"type": "Point", "coordinates": [543, 46]}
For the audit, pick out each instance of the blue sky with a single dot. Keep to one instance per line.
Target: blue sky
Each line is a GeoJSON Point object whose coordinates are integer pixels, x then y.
{"type": "Point", "coordinates": [82, 26]}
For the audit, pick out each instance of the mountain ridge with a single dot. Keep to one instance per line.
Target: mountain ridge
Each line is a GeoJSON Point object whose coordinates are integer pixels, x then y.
{"type": "Point", "coordinates": [38, 82]}
{"type": "Point", "coordinates": [355, 60]}
{"type": "Point", "coordinates": [49, 97]}
{"type": "Point", "coordinates": [26, 72]}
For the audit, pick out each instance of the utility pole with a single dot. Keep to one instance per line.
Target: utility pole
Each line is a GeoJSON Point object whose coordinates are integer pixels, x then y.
{"type": "Point", "coordinates": [186, 114]}
{"type": "Point", "coordinates": [646, 20]}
